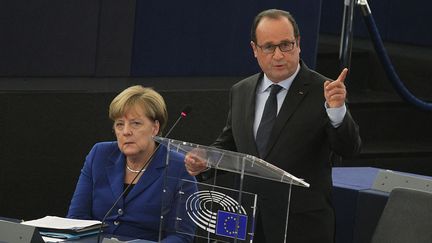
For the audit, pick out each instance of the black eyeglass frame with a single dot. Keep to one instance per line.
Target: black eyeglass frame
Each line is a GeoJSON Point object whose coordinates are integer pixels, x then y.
{"type": "Point", "coordinates": [270, 48]}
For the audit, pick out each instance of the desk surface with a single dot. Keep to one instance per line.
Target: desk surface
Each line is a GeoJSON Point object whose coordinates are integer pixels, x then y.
{"type": "Point", "coordinates": [92, 239]}
{"type": "Point", "coordinates": [360, 178]}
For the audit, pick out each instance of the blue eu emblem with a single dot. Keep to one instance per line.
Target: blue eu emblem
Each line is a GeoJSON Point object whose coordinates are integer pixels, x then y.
{"type": "Point", "coordinates": [231, 225]}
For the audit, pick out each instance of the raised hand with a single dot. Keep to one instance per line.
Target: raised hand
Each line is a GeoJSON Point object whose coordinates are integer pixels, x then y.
{"type": "Point", "coordinates": [335, 91]}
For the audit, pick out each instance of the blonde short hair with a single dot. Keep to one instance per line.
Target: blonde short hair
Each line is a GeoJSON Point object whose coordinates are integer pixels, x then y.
{"type": "Point", "coordinates": [149, 100]}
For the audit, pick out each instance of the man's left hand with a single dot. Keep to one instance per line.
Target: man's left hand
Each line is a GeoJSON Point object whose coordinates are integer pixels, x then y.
{"type": "Point", "coordinates": [335, 91]}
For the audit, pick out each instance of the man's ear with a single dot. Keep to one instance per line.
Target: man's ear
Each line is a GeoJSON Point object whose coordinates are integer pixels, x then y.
{"type": "Point", "coordinates": [298, 43]}
{"type": "Point", "coordinates": [254, 48]}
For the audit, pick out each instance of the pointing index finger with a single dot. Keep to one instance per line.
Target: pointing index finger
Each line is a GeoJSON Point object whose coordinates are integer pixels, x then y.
{"type": "Point", "coordinates": [342, 75]}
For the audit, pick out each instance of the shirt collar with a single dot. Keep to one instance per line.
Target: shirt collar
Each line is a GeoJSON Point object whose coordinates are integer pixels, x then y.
{"type": "Point", "coordinates": [265, 84]}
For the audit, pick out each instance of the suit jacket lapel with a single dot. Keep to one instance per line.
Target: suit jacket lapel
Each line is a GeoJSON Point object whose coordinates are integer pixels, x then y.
{"type": "Point", "coordinates": [298, 90]}
{"type": "Point", "coordinates": [250, 112]}
{"type": "Point", "coordinates": [115, 173]}
{"type": "Point", "coordinates": [153, 172]}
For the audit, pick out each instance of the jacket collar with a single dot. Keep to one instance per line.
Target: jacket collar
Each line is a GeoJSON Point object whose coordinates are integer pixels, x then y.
{"type": "Point", "coordinates": [250, 112]}
{"type": "Point", "coordinates": [115, 173]}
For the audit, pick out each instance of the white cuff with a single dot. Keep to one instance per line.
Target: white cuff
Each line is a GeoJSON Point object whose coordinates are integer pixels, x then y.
{"type": "Point", "coordinates": [336, 115]}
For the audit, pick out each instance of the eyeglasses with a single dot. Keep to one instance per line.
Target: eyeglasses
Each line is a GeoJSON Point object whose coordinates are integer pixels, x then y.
{"type": "Point", "coordinates": [284, 46]}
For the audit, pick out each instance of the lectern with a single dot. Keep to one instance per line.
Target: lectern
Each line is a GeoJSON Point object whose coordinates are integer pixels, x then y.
{"type": "Point", "coordinates": [214, 212]}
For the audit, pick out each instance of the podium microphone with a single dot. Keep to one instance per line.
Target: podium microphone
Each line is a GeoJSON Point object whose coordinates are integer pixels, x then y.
{"type": "Point", "coordinates": [184, 113]}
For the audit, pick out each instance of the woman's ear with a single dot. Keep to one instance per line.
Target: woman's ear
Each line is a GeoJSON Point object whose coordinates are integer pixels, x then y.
{"type": "Point", "coordinates": [156, 127]}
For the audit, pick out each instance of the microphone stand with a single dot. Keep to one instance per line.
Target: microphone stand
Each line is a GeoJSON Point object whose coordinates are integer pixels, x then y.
{"type": "Point", "coordinates": [184, 113]}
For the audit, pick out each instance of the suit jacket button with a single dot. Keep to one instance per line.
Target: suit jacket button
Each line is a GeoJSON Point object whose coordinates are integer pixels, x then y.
{"type": "Point", "coordinates": [120, 211]}
{"type": "Point", "coordinates": [116, 222]}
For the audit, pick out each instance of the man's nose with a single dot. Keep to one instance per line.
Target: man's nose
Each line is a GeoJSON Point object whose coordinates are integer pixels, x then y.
{"type": "Point", "coordinates": [278, 54]}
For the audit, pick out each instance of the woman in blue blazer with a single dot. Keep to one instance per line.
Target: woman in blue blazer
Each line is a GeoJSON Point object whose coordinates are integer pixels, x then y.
{"type": "Point", "coordinates": [138, 114]}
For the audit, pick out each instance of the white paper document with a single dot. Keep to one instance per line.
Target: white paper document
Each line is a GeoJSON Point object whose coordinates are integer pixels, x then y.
{"type": "Point", "coordinates": [54, 222]}
{"type": "Point", "coordinates": [51, 239]}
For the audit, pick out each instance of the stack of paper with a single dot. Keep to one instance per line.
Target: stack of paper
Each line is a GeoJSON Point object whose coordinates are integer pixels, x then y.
{"type": "Point", "coordinates": [64, 228]}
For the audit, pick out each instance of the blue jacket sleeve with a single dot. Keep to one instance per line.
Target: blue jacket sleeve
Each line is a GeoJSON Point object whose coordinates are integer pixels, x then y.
{"type": "Point", "coordinates": [81, 203]}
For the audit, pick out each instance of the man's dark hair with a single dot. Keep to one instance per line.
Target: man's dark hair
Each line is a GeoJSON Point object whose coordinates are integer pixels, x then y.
{"type": "Point", "coordinates": [274, 14]}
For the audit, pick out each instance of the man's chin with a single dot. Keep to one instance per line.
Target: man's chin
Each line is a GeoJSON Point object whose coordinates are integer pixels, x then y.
{"type": "Point", "coordinates": [278, 77]}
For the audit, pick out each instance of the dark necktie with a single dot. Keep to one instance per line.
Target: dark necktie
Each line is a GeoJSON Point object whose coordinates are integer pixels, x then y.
{"type": "Point", "coordinates": [267, 120]}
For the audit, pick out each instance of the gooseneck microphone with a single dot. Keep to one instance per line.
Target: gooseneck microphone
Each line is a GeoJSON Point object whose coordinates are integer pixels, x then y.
{"type": "Point", "coordinates": [184, 113]}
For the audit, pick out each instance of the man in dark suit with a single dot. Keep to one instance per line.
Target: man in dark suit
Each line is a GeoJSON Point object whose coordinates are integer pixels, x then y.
{"type": "Point", "coordinates": [311, 127]}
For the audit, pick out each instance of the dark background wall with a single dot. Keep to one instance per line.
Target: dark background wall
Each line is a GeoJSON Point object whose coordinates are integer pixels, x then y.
{"type": "Point", "coordinates": [61, 63]}
{"type": "Point", "coordinates": [139, 38]}
{"type": "Point", "coordinates": [46, 136]}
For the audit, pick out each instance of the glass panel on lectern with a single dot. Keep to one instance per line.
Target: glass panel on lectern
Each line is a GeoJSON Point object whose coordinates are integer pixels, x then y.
{"type": "Point", "coordinates": [212, 211]}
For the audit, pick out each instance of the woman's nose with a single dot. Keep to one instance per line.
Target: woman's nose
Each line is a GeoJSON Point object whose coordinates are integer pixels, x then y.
{"type": "Point", "coordinates": [127, 130]}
